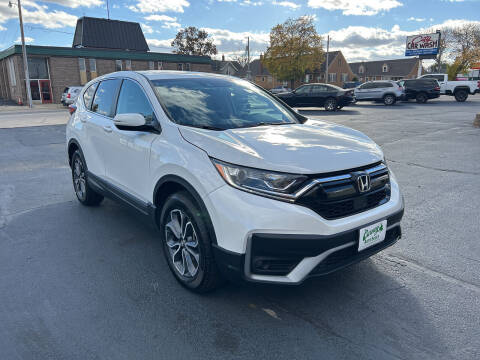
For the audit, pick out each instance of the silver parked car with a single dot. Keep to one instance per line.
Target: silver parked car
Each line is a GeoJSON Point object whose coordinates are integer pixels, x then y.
{"type": "Point", "coordinates": [387, 91]}
{"type": "Point", "coordinates": [71, 95]}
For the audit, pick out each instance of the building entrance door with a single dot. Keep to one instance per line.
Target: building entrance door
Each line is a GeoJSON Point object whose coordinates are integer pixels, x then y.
{"type": "Point", "coordinates": [45, 91]}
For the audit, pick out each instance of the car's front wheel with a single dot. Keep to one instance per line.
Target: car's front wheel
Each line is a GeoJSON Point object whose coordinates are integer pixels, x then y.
{"type": "Point", "coordinates": [187, 244]}
{"type": "Point", "coordinates": [389, 99]}
{"type": "Point", "coordinates": [85, 194]}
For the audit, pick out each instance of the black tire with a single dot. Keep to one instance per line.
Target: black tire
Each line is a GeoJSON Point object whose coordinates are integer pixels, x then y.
{"type": "Point", "coordinates": [330, 104]}
{"type": "Point", "coordinates": [339, 107]}
{"type": "Point", "coordinates": [461, 95]}
{"type": "Point", "coordinates": [421, 98]}
{"type": "Point", "coordinates": [389, 99]}
{"type": "Point", "coordinates": [205, 276]}
{"type": "Point", "coordinates": [85, 194]}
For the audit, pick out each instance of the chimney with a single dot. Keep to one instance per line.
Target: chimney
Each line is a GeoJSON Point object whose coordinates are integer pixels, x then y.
{"type": "Point", "coordinates": [223, 57]}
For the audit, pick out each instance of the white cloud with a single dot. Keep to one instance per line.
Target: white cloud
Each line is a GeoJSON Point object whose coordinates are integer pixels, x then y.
{"type": "Point", "coordinates": [34, 13]}
{"type": "Point", "coordinates": [147, 29]}
{"type": "Point", "coordinates": [28, 40]}
{"type": "Point", "coordinates": [152, 6]}
{"type": "Point", "coordinates": [359, 43]}
{"type": "Point", "coordinates": [164, 44]}
{"type": "Point", "coordinates": [171, 25]}
{"type": "Point", "coordinates": [2, 28]}
{"type": "Point", "coordinates": [251, 3]}
{"type": "Point", "coordinates": [411, 18]}
{"type": "Point", "coordinates": [76, 3]}
{"type": "Point", "coordinates": [156, 17]}
{"type": "Point", "coordinates": [289, 4]}
{"type": "Point", "coordinates": [356, 7]}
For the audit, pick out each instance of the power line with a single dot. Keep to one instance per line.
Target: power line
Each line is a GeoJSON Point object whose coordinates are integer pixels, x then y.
{"type": "Point", "coordinates": [30, 27]}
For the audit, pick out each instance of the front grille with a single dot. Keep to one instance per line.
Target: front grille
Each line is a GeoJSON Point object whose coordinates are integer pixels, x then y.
{"type": "Point", "coordinates": [338, 196]}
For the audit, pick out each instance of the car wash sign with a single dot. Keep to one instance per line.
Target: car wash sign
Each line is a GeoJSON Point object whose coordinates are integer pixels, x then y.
{"type": "Point", "coordinates": [422, 44]}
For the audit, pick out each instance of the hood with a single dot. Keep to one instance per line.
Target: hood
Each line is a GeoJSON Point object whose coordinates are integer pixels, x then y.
{"type": "Point", "coordinates": [313, 147]}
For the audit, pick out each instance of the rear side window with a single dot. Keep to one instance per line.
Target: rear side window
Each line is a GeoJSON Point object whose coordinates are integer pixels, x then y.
{"type": "Point", "coordinates": [88, 95]}
{"type": "Point", "coordinates": [384, 85]}
{"type": "Point", "coordinates": [367, 86]}
{"type": "Point", "coordinates": [132, 99]}
{"type": "Point", "coordinates": [104, 100]}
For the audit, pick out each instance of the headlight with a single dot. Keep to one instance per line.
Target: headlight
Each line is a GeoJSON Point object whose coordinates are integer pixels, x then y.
{"type": "Point", "coordinates": [262, 182]}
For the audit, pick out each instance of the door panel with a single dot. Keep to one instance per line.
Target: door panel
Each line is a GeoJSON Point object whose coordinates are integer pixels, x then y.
{"type": "Point", "coordinates": [302, 96]}
{"type": "Point", "coordinates": [127, 157]}
{"type": "Point", "coordinates": [99, 124]}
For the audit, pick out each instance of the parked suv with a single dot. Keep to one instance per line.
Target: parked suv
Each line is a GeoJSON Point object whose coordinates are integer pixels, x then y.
{"type": "Point", "coordinates": [420, 89]}
{"type": "Point", "coordinates": [386, 91]}
{"type": "Point", "coordinates": [314, 95]}
{"type": "Point", "coordinates": [238, 183]}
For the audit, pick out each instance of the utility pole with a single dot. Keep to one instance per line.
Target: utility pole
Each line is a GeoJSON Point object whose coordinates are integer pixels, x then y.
{"type": "Point", "coordinates": [249, 75]}
{"type": "Point", "coordinates": [24, 51]}
{"type": "Point", "coordinates": [108, 11]}
{"type": "Point", "coordinates": [326, 61]}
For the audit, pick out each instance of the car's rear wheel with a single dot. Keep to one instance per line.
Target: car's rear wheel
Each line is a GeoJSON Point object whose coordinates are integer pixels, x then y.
{"type": "Point", "coordinates": [461, 95]}
{"type": "Point", "coordinates": [389, 99]}
{"type": "Point", "coordinates": [85, 194]}
{"type": "Point", "coordinates": [330, 104]}
{"type": "Point", "coordinates": [187, 244]}
{"type": "Point", "coordinates": [339, 107]}
{"type": "Point", "coordinates": [421, 98]}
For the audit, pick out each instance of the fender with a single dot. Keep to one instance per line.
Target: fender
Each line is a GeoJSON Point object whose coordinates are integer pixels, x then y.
{"type": "Point", "coordinates": [196, 196]}
{"type": "Point", "coordinates": [70, 142]}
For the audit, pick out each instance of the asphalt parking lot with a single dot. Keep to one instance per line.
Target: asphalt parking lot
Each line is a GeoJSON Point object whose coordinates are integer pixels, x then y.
{"type": "Point", "coordinates": [92, 283]}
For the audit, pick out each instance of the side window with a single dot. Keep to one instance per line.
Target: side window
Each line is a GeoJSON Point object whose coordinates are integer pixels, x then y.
{"type": "Point", "coordinates": [133, 100]}
{"type": "Point", "coordinates": [438, 77]}
{"type": "Point", "coordinates": [366, 86]}
{"type": "Point", "coordinates": [88, 95]}
{"type": "Point", "coordinates": [387, 84]}
{"type": "Point", "coordinates": [320, 88]}
{"type": "Point", "coordinates": [104, 100]}
{"type": "Point", "coordinates": [303, 90]}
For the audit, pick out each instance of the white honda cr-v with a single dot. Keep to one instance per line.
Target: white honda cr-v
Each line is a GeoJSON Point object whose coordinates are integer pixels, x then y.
{"type": "Point", "coordinates": [239, 184]}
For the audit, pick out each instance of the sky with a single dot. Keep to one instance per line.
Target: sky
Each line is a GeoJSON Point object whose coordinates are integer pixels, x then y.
{"type": "Point", "coordinates": [361, 29]}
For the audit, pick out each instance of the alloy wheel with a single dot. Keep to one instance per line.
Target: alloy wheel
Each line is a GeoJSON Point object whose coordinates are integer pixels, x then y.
{"type": "Point", "coordinates": [388, 100]}
{"type": "Point", "coordinates": [331, 105]}
{"type": "Point", "coordinates": [182, 243]}
{"type": "Point", "coordinates": [79, 181]}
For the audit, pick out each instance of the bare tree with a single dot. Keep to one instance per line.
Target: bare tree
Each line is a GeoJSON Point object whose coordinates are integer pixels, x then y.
{"type": "Point", "coordinates": [241, 58]}
{"type": "Point", "coordinates": [193, 41]}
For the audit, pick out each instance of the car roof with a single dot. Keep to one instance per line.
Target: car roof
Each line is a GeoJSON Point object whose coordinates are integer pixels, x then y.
{"type": "Point", "coordinates": [172, 74]}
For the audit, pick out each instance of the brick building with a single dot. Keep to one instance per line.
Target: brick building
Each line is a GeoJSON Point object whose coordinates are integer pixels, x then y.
{"type": "Point", "coordinates": [339, 72]}
{"type": "Point", "coordinates": [386, 69]}
{"type": "Point", "coordinates": [100, 47]}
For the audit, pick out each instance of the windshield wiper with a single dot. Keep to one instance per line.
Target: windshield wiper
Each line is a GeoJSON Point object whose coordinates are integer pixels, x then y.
{"type": "Point", "coordinates": [208, 127]}
{"type": "Point", "coordinates": [267, 124]}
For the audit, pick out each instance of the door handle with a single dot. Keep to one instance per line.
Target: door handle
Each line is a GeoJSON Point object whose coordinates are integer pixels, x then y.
{"type": "Point", "coordinates": [107, 128]}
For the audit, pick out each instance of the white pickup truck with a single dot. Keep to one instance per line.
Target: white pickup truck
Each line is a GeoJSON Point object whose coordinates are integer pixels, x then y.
{"type": "Point", "coordinates": [459, 89]}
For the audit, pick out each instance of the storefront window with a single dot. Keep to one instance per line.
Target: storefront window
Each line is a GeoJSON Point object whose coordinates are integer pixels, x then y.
{"type": "Point", "coordinates": [37, 68]}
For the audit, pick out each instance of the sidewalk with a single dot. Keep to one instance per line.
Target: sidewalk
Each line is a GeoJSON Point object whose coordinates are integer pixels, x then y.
{"type": "Point", "coordinates": [36, 108]}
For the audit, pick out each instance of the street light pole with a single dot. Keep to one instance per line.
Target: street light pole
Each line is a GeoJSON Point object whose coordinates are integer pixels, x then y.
{"type": "Point", "coordinates": [24, 51]}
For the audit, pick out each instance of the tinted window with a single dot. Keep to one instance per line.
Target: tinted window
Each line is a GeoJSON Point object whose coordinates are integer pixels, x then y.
{"type": "Point", "coordinates": [219, 103]}
{"type": "Point", "coordinates": [103, 103]}
{"type": "Point", "coordinates": [133, 100]}
{"type": "Point", "coordinates": [303, 90]}
{"type": "Point", "coordinates": [383, 85]}
{"type": "Point", "coordinates": [320, 88]}
{"type": "Point", "coordinates": [367, 86]}
{"type": "Point", "coordinates": [88, 95]}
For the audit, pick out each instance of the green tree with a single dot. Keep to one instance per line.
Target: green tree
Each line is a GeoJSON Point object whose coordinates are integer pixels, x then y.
{"type": "Point", "coordinates": [193, 41]}
{"type": "Point", "coordinates": [295, 47]}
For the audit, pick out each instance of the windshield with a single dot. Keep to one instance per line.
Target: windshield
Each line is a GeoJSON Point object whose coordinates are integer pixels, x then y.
{"type": "Point", "coordinates": [219, 103]}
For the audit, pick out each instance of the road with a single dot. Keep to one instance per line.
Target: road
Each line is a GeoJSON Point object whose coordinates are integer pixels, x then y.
{"type": "Point", "coordinates": [92, 283]}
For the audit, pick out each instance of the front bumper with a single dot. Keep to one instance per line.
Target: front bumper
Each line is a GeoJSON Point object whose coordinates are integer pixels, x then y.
{"type": "Point", "coordinates": [290, 259]}
{"type": "Point", "coordinates": [294, 239]}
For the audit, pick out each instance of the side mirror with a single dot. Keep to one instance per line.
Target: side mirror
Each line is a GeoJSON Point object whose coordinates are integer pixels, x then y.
{"type": "Point", "coordinates": [129, 120]}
